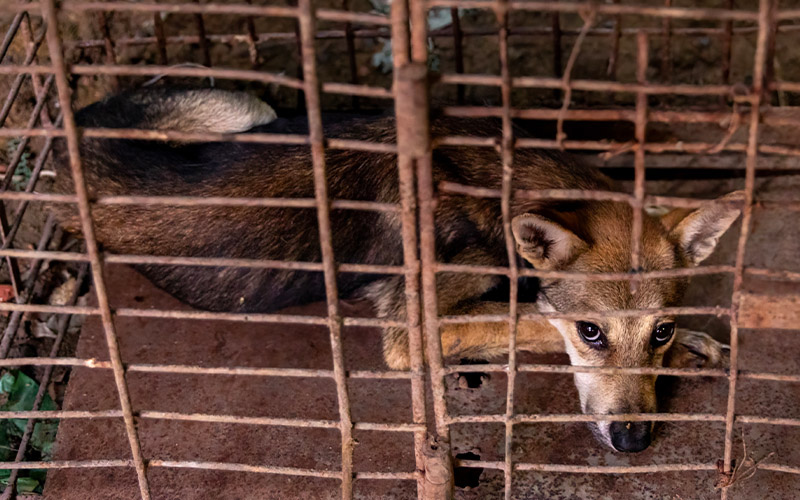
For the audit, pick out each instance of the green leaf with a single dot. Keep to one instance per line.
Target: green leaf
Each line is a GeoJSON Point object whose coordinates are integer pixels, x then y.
{"type": "Point", "coordinates": [7, 452]}
{"type": "Point", "coordinates": [22, 391]}
{"type": "Point", "coordinates": [43, 437]}
{"type": "Point", "coordinates": [38, 474]}
{"type": "Point", "coordinates": [26, 484]}
{"type": "Point", "coordinates": [6, 383]}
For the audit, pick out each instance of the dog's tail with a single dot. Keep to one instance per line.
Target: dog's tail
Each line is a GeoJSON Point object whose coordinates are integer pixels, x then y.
{"type": "Point", "coordinates": [123, 166]}
{"type": "Point", "coordinates": [186, 110]}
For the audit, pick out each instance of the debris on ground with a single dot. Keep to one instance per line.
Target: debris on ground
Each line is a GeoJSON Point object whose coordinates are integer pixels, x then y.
{"type": "Point", "coordinates": [18, 393]}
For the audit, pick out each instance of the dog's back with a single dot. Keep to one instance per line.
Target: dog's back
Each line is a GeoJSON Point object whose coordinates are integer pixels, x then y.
{"type": "Point", "coordinates": [249, 170]}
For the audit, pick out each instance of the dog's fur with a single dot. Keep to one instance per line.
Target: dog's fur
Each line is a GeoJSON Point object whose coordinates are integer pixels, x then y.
{"type": "Point", "coordinates": [575, 236]}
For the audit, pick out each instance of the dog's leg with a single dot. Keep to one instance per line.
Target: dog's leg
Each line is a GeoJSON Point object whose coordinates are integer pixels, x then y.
{"type": "Point", "coordinates": [389, 300]}
{"type": "Point", "coordinates": [489, 340]}
{"type": "Point", "coordinates": [693, 349]}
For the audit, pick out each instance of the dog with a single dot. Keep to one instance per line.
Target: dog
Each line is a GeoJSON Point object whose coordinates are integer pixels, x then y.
{"type": "Point", "coordinates": [581, 236]}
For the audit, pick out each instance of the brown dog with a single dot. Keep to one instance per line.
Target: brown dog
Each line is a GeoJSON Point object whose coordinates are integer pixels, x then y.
{"type": "Point", "coordinates": [587, 237]}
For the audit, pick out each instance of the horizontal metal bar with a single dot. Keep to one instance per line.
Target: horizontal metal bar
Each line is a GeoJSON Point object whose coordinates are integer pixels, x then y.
{"type": "Point", "coordinates": [286, 471]}
{"type": "Point", "coordinates": [358, 90]}
{"type": "Point", "coordinates": [154, 70]}
{"type": "Point", "coordinates": [234, 467]}
{"type": "Point", "coordinates": [251, 317]}
{"type": "Point", "coordinates": [88, 363]}
{"type": "Point", "coordinates": [589, 469]}
{"type": "Point", "coordinates": [621, 313]}
{"type": "Point", "coordinates": [352, 17]}
{"type": "Point", "coordinates": [397, 375]}
{"type": "Point", "coordinates": [61, 414]}
{"type": "Point", "coordinates": [564, 418]}
{"type": "Point", "coordinates": [588, 85]}
{"type": "Point", "coordinates": [610, 469]}
{"type": "Point", "coordinates": [225, 201]}
{"type": "Point", "coordinates": [607, 9]}
{"type": "Point", "coordinates": [277, 422]}
{"type": "Point", "coordinates": [66, 464]}
{"type": "Point", "coordinates": [757, 420]}
{"type": "Point", "coordinates": [576, 276]}
{"type": "Point", "coordinates": [789, 469]}
{"type": "Point", "coordinates": [595, 114]}
{"type": "Point", "coordinates": [182, 8]}
{"type": "Point", "coordinates": [605, 370]}
{"type": "Point", "coordinates": [221, 466]}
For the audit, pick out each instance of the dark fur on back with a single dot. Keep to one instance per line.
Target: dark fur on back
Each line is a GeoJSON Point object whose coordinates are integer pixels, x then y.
{"type": "Point", "coordinates": [132, 167]}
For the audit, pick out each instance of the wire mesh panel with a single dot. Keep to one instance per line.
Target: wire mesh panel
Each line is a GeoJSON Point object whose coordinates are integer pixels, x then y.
{"type": "Point", "coordinates": [665, 89]}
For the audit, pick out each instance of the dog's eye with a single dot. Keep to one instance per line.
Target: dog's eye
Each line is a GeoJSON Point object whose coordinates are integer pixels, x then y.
{"type": "Point", "coordinates": [662, 334]}
{"type": "Point", "coordinates": [591, 334]}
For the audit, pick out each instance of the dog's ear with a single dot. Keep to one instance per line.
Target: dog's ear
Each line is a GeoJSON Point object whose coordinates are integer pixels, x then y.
{"type": "Point", "coordinates": [544, 243]}
{"type": "Point", "coordinates": [698, 233]}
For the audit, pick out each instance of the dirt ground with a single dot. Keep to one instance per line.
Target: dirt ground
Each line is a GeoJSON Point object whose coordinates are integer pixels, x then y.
{"type": "Point", "coordinates": [694, 60]}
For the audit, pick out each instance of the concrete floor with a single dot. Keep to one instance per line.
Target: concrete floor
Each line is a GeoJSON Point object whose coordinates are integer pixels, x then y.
{"type": "Point", "coordinates": [774, 244]}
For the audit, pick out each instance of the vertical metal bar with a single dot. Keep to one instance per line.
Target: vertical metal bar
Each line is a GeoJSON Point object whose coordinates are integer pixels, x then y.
{"type": "Point", "coordinates": [300, 103]}
{"type": "Point", "coordinates": [772, 38]}
{"type": "Point", "coordinates": [30, 56]}
{"type": "Point", "coordinates": [727, 48]}
{"type": "Point", "coordinates": [316, 137]}
{"type": "Point", "coordinates": [7, 232]}
{"type": "Point", "coordinates": [666, 48]}
{"type": "Point", "coordinates": [27, 30]}
{"type": "Point", "coordinates": [10, 34]}
{"type": "Point", "coordinates": [161, 38]}
{"type": "Point", "coordinates": [642, 60]}
{"type": "Point", "coordinates": [558, 55]}
{"type": "Point", "coordinates": [507, 158]}
{"type": "Point", "coordinates": [419, 31]}
{"type": "Point", "coordinates": [350, 41]}
{"type": "Point", "coordinates": [201, 32]}
{"type": "Point", "coordinates": [252, 39]}
{"type": "Point", "coordinates": [15, 317]}
{"type": "Point", "coordinates": [405, 166]}
{"type": "Point", "coordinates": [566, 84]}
{"type": "Point", "coordinates": [84, 208]}
{"type": "Point", "coordinates": [108, 44]}
{"type": "Point", "coordinates": [19, 213]}
{"type": "Point", "coordinates": [61, 329]}
{"type": "Point", "coordinates": [458, 53]}
{"type": "Point", "coordinates": [613, 57]}
{"type": "Point", "coordinates": [759, 66]}
{"type": "Point", "coordinates": [438, 470]}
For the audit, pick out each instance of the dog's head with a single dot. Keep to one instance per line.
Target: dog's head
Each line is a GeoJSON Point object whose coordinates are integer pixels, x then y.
{"type": "Point", "coordinates": [598, 239]}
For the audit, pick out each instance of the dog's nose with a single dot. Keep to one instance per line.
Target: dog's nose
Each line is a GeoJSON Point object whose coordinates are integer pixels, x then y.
{"type": "Point", "coordinates": [630, 436]}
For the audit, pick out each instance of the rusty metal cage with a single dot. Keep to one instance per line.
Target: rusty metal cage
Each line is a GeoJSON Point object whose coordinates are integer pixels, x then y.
{"type": "Point", "coordinates": [47, 71]}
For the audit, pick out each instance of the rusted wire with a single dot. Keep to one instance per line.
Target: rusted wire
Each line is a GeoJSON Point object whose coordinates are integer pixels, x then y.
{"type": "Point", "coordinates": [9, 231]}
{"type": "Point", "coordinates": [26, 295]}
{"type": "Point", "coordinates": [411, 262]}
{"type": "Point", "coordinates": [410, 270]}
{"type": "Point", "coordinates": [64, 95]}
{"type": "Point", "coordinates": [311, 90]}
{"type": "Point", "coordinates": [759, 68]}
{"type": "Point", "coordinates": [637, 205]}
{"type": "Point", "coordinates": [286, 37]}
{"type": "Point", "coordinates": [44, 381]}
{"type": "Point", "coordinates": [566, 86]}
{"type": "Point", "coordinates": [507, 159]}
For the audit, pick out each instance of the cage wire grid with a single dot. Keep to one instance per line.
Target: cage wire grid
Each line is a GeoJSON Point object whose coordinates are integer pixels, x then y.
{"type": "Point", "coordinates": [407, 27]}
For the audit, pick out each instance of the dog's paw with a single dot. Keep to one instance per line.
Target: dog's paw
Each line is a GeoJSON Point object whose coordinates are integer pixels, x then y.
{"type": "Point", "coordinates": [693, 349]}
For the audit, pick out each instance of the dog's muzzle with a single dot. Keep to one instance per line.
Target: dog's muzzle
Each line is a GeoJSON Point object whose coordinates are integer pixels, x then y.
{"type": "Point", "coordinates": [630, 436]}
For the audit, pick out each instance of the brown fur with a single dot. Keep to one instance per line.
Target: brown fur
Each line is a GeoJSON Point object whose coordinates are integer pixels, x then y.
{"type": "Point", "coordinates": [577, 236]}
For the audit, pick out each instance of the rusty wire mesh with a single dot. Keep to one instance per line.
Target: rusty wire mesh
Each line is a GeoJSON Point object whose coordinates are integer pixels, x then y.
{"type": "Point", "coordinates": [407, 28]}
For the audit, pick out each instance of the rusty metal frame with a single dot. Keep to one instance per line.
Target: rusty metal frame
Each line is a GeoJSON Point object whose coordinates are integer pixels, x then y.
{"type": "Point", "coordinates": [407, 27]}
